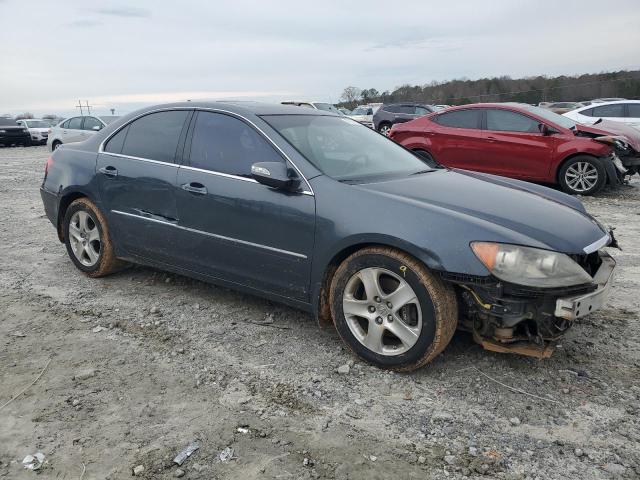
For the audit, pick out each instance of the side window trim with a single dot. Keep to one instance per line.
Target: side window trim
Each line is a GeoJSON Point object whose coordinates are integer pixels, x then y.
{"type": "Point", "coordinates": [179, 147]}
{"type": "Point", "coordinates": [479, 121]}
{"type": "Point", "coordinates": [187, 156]}
{"type": "Point", "coordinates": [485, 124]}
{"type": "Point", "coordinates": [306, 191]}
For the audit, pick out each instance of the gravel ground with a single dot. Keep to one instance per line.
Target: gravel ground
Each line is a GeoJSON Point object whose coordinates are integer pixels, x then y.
{"type": "Point", "coordinates": [142, 363]}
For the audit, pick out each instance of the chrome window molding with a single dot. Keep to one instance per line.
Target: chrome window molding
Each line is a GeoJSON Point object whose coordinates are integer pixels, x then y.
{"type": "Point", "coordinates": [169, 164]}
{"type": "Point", "coordinates": [308, 191]}
{"type": "Point", "coordinates": [214, 235]}
{"type": "Point", "coordinates": [597, 245]}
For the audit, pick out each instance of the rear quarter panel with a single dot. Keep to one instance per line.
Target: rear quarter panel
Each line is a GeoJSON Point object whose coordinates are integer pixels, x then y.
{"type": "Point", "coordinates": [72, 172]}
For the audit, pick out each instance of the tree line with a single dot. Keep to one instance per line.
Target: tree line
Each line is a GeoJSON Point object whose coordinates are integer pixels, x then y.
{"type": "Point", "coordinates": [624, 84]}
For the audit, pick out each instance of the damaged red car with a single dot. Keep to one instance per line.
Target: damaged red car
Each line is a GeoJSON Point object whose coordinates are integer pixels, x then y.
{"type": "Point", "coordinates": [524, 142]}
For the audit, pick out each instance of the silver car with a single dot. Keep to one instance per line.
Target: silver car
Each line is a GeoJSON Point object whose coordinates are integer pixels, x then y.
{"type": "Point", "coordinates": [77, 129]}
{"type": "Point", "coordinates": [38, 129]}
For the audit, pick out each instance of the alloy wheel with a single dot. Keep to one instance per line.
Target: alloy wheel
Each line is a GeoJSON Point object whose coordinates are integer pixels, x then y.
{"type": "Point", "coordinates": [385, 129]}
{"type": "Point", "coordinates": [85, 238]}
{"type": "Point", "coordinates": [382, 311]}
{"type": "Point", "coordinates": [581, 176]}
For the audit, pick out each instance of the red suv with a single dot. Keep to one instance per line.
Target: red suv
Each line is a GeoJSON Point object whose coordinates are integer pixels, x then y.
{"type": "Point", "coordinates": [518, 141]}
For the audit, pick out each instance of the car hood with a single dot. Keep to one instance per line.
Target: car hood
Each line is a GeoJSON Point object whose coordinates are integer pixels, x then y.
{"type": "Point", "coordinates": [39, 130]}
{"type": "Point", "coordinates": [607, 127]}
{"type": "Point", "coordinates": [548, 220]}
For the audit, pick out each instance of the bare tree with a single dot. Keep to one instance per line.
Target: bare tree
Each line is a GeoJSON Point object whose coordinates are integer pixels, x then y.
{"type": "Point", "coordinates": [350, 95]}
{"type": "Point", "coordinates": [50, 116]}
{"type": "Point", "coordinates": [25, 115]}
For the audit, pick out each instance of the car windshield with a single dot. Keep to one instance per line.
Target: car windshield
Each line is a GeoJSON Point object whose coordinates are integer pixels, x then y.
{"type": "Point", "coordinates": [344, 149]}
{"type": "Point", "coordinates": [561, 120]}
{"type": "Point", "coordinates": [327, 107]}
{"type": "Point", "coordinates": [36, 124]}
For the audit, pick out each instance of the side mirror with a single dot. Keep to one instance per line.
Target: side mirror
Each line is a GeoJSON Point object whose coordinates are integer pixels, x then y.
{"type": "Point", "coordinates": [546, 129]}
{"type": "Point", "coordinates": [274, 174]}
{"type": "Point", "coordinates": [97, 128]}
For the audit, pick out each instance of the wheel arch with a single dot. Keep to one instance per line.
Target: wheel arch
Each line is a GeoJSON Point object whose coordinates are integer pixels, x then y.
{"type": "Point", "coordinates": [67, 199]}
{"type": "Point", "coordinates": [569, 158]}
{"type": "Point", "coordinates": [320, 294]}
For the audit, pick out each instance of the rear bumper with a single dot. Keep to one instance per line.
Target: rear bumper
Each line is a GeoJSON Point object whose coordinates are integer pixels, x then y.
{"type": "Point", "coordinates": [571, 308]}
{"type": "Point", "coordinates": [50, 202]}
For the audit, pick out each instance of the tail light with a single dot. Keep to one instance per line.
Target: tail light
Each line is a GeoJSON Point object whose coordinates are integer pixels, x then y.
{"type": "Point", "coordinates": [47, 166]}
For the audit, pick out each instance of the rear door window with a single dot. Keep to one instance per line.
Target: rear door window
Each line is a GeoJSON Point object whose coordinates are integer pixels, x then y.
{"type": "Point", "coordinates": [460, 118]}
{"type": "Point", "coordinates": [74, 123]}
{"type": "Point", "coordinates": [155, 136]}
{"type": "Point", "coordinates": [614, 110]}
{"type": "Point", "coordinates": [508, 121]}
{"type": "Point", "coordinates": [406, 109]}
{"type": "Point", "coordinates": [90, 123]}
{"type": "Point", "coordinates": [633, 110]}
{"type": "Point", "coordinates": [587, 113]}
{"type": "Point", "coordinates": [225, 144]}
{"type": "Point", "coordinates": [422, 111]}
{"type": "Point", "coordinates": [115, 143]}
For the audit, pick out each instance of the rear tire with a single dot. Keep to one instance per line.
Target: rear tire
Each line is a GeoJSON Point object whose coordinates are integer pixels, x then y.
{"type": "Point", "coordinates": [86, 236]}
{"type": "Point", "coordinates": [55, 145]}
{"type": "Point", "coordinates": [401, 337]}
{"type": "Point", "coordinates": [582, 175]}
{"type": "Point", "coordinates": [384, 128]}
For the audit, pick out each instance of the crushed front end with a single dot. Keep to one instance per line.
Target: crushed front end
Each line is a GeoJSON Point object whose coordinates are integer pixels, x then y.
{"type": "Point", "coordinates": [529, 320]}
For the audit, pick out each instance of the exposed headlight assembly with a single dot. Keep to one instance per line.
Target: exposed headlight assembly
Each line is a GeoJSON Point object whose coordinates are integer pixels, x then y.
{"type": "Point", "coordinates": [614, 140]}
{"type": "Point", "coordinates": [529, 266]}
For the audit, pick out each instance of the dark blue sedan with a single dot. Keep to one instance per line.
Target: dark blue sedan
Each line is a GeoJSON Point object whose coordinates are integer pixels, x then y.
{"type": "Point", "coordinates": [320, 212]}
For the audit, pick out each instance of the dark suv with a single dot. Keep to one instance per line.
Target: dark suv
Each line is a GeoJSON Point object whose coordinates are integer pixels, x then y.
{"type": "Point", "coordinates": [389, 115]}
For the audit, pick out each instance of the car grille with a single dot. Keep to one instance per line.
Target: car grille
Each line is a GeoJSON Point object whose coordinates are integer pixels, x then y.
{"type": "Point", "coordinates": [14, 133]}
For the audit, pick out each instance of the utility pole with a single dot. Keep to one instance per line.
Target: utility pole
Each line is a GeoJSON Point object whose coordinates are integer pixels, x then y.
{"type": "Point", "coordinates": [80, 107]}
{"type": "Point", "coordinates": [88, 107]}
{"type": "Point", "coordinates": [113, 111]}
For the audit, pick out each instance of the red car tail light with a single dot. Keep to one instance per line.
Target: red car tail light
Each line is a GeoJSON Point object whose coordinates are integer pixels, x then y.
{"type": "Point", "coordinates": [48, 165]}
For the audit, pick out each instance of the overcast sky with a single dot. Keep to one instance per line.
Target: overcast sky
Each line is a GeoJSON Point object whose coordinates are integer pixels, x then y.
{"type": "Point", "coordinates": [124, 54]}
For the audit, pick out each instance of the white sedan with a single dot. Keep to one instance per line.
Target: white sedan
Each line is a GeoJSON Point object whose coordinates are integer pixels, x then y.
{"type": "Point", "coordinates": [77, 129]}
{"type": "Point", "coordinates": [38, 129]}
{"type": "Point", "coordinates": [625, 111]}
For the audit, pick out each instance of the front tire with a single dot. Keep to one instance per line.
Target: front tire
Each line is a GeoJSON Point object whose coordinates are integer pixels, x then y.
{"type": "Point", "coordinates": [86, 236]}
{"type": "Point", "coordinates": [55, 145]}
{"type": "Point", "coordinates": [391, 310]}
{"type": "Point", "coordinates": [583, 175]}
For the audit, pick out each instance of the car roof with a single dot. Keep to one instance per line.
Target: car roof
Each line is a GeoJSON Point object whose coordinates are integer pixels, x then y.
{"type": "Point", "coordinates": [242, 108]}
{"type": "Point", "coordinates": [604, 104]}
{"type": "Point", "coordinates": [411, 104]}
{"type": "Point", "coordinates": [504, 105]}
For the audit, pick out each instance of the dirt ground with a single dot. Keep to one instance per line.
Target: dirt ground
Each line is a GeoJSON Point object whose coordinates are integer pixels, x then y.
{"type": "Point", "coordinates": [142, 363]}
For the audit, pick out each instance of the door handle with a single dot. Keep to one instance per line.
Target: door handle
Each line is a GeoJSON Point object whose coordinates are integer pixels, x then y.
{"type": "Point", "coordinates": [195, 187]}
{"type": "Point", "coordinates": [491, 139]}
{"type": "Point", "coordinates": [109, 171]}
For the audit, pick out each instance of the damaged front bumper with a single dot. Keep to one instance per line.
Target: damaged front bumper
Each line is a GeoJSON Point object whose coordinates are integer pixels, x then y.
{"type": "Point", "coordinates": [571, 308]}
{"type": "Point", "coordinates": [530, 321]}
